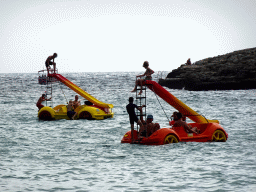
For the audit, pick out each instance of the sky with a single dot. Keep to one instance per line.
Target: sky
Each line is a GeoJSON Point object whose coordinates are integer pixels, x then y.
{"type": "Point", "coordinates": [119, 35]}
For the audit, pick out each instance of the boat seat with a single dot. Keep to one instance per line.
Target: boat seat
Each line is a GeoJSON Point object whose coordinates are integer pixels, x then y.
{"type": "Point", "coordinates": [201, 127]}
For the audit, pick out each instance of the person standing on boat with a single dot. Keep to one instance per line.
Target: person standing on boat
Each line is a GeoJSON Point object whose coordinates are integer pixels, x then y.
{"type": "Point", "coordinates": [132, 115]}
{"type": "Point", "coordinates": [40, 100]}
{"type": "Point", "coordinates": [48, 62]}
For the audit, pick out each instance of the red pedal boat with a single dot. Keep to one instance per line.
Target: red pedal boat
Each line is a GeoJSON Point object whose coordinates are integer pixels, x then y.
{"type": "Point", "coordinates": [209, 132]}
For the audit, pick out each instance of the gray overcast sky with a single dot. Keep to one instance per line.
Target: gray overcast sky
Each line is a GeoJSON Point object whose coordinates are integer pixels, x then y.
{"type": "Point", "coordinates": [119, 35]}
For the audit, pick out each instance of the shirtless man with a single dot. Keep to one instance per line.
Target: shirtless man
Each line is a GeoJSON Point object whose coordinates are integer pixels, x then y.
{"type": "Point", "coordinates": [148, 127]}
{"type": "Point", "coordinates": [40, 100]}
{"type": "Point", "coordinates": [180, 123]}
{"type": "Point", "coordinates": [48, 62]}
{"type": "Point", "coordinates": [76, 103]}
{"type": "Point", "coordinates": [70, 110]}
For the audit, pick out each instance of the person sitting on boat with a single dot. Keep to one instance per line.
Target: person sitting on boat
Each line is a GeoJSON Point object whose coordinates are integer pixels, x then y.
{"type": "Point", "coordinates": [180, 123]}
{"type": "Point", "coordinates": [48, 62]}
{"type": "Point", "coordinates": [147, 75]}
{"type": "Point", "coordinates": [40, 100]}
{"type": "Point", "coordinates": [171, 123]}
{"type": "Point", "coordinates": [132, 115]}
{"type": "Point", "coordinates": [76, 103]}
{"type": "Point", "coordinates": [148, 127]}
{"type": "Point", "coordinates": [70, 110]}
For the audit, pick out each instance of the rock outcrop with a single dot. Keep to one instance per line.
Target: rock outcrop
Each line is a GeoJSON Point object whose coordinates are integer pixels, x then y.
{"type": "Point", "coordinates": [236, 70]}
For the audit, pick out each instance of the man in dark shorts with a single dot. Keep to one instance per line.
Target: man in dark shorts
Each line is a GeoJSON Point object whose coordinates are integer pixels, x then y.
{"type": "Point", "coordinates": [132, 115]}
{"type": "Point", "coordinates": [48, 62]}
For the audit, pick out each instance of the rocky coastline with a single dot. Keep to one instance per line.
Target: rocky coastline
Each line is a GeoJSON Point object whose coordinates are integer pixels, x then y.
{"type": "Point", "coordinates": [232, 71]}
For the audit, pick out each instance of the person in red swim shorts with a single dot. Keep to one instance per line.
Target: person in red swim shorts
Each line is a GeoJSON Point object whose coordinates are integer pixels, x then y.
{"type": "Point", "coordinates": [40, 100]}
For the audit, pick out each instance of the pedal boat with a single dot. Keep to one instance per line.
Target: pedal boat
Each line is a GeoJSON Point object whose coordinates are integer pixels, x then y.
{"type": "Point", "coordinates": [90, 112]}
{"type": "Point", "coordinates": [209, 132]}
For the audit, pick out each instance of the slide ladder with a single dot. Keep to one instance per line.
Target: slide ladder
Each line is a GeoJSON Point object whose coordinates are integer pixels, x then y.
{"type": "Point", "coordinates": [141, 100]}
{"type": "Point", "coordinates": [49, 91]}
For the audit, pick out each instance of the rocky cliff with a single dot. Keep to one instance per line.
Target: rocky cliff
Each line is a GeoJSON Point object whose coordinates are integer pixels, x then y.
{"type": "Point", "coordinates": [236, 70]}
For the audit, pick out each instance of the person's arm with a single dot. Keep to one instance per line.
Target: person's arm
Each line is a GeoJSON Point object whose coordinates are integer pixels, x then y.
{"type": "Point", "coordinates": [140, 108]}
{"type": "Point", "coordinates": [142, 128]}
{"type": "Point", "coordinates": [185, 125]}
{"type": "Point", "coordinates": [140, 75]}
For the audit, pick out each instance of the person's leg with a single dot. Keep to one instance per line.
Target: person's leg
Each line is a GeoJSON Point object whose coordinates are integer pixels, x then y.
{"type": "Point", "coordinates": [142, 129]}
{"type": "Point", "coordinates": [69, 114]}
{"type": "Point", "coordinates": [74, 115]}
{"type": "Point", "coordinates": [149, 130]}
{"type": "Point", "coordinates": [39, 105]}
{"type": "Point", "coordinates": [136, 84]}
{"type": "Point", "coordinates": [132, 130]}
{"type": "Point", "coordinates": [54, 67]}
{"type": "Point", "coordinates": [141, 84]}
{"type": "Point", "coordinates": [47, 68]}
{"type": "Point", "coordinates": [196, 130]}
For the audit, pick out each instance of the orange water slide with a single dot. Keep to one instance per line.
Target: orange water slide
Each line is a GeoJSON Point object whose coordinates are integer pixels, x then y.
{"type": "Point", "coordinates": [176, 103]}
{"type": "Point", "coordinates": [80, 91]}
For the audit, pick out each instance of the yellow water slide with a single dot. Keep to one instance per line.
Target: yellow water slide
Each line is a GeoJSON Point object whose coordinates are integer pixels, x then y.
{"type": "Point", "coordinates": [80, 91]}
{"type": "Point", "coordinates": [177, 104]}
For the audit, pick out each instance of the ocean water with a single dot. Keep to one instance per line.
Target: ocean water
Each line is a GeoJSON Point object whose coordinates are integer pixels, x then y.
{"type": "Point", "coordinates": [84, 155]}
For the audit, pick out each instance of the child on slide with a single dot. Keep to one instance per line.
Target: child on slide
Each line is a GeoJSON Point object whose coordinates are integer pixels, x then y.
{"type": "Point", "coordinates": [147, 75]}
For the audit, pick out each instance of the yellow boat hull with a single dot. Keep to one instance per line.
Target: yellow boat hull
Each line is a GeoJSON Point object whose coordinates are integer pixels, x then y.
{"type": "Point", "coordinates": [83, 112]}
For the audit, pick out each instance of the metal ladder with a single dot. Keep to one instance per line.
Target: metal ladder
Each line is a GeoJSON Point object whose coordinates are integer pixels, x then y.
{"type": "Point", "coordinates": [141, 100]}
{"type": "Point", "coordinates": [49, 84]}
{"type": "Point", "coordinates": [49, 91]}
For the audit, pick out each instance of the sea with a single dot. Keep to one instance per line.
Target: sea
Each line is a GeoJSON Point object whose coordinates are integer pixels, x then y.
{"type": "Point", "coordinates": [87, 155]}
